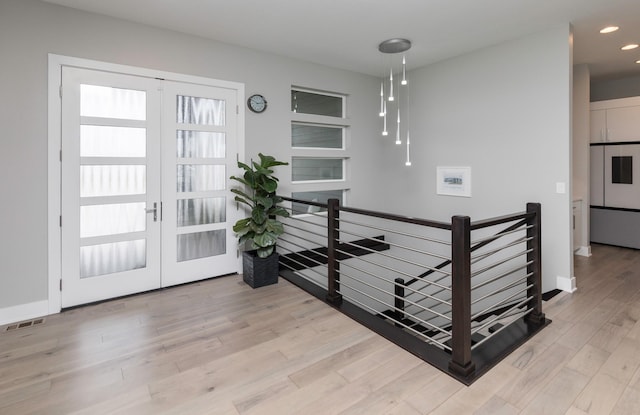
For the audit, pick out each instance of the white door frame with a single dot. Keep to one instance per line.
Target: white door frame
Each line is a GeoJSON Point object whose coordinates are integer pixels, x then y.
{"type": "Point", "coordinates": [54, 140]}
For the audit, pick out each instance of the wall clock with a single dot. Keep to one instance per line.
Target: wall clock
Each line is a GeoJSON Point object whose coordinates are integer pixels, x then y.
{"type": "Point", "coordinates": [257, 103]}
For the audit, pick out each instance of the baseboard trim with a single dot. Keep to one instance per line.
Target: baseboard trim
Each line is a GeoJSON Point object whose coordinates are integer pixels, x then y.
{"type": "Point", "coordinates": [583, 251]}
{"type": "Point", "coordinates": [566, 284]}
{"type": "Point", "coordinates": [23, 312]}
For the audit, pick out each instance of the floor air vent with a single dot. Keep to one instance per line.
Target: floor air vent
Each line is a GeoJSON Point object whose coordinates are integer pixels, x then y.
{"type": "Point", "coordinates": [25, 324]}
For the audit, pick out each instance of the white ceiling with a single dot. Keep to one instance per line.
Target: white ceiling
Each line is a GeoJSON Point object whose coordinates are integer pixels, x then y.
{"type": "Point", "coordinates": [346, 33]}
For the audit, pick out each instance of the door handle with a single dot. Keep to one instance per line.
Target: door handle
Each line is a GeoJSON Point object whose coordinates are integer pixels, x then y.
{"type": "Point", "coordinates": [153, 210]}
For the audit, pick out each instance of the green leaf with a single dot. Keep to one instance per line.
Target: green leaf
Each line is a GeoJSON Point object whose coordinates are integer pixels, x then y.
{"type": "Point", "coordinates": [269, 185]}
{"type": "Point", "coordinates": [265, 239]}
{"type": "Point", "coordinates": [265, 202]}
{"type": "Point", "coordinates": [274, 226]}
{"type": "Point", "coordinates": [264, 252]}
{"type": "Point", "coordinates": [279, 211]}
{"type": "Point", "coordinates": [258, 216]}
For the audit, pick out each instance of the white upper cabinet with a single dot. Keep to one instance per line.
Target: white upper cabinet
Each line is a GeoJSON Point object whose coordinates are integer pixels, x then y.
{"type": "Point", "coordinates": [615, 120]}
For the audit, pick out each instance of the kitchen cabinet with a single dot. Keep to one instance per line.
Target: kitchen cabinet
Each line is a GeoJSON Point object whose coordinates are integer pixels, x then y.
{"type": "Point", "coordinates": [615, 120]}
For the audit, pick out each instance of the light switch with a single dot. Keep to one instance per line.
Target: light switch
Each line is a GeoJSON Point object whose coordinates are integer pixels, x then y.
{"type": "Point", "coordinates": [560, 188]}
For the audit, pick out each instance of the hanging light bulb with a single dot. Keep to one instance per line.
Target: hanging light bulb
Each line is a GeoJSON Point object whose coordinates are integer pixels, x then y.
{"type": "Point", "coordinates": [398, 141]}
{"type": "Point", "coordinates": [391, 85]}
{"type": "Point", "coordinates": [384, 122]}
{"type": "Point", "coordinates": [404, 71]}
{"type": "Point", "coordinates": [408, 162]}
{"type": "Point", "coordinates": [382, 99]}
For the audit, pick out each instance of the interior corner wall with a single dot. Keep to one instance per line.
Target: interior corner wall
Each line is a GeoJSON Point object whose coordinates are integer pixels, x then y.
{"type": "Point", "coordinates": [505, 111]}
{"type": "Point", "coordinates": [30, 30]}
{"type": "Point", "coordinates": [580, 151]}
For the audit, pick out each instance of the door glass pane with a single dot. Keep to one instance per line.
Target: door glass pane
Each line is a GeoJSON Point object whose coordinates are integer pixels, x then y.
{"type": "Point", "coordinates": [107, 180]}
{"type": "Point", "coordinates": [320, 197]}
{"type": "Point", "coordinates": [201, 211]}
{"type": "Point", "coordinates": [98, 220]}
{"type": "Point", "coordinates": [316, 136]}
{"type": "Point", "coordinates": [105, 141]}
{"type": "Point", "coordinates": [303, 169]}
{"type": "Point", "coordinates": [108, 102]}
{"type": "Point", "coordinates": [200, 144]}
{"type": "Point", "coordinates": [200, 177]}
{"type": "Point", "coordinates": [112, 257]}
{"type": "Point", "coordinates": [201, 244]}
{"type": "Point", "coordinates": [202, 111]}
{"type": "Point", "coordinates": [316, 103]}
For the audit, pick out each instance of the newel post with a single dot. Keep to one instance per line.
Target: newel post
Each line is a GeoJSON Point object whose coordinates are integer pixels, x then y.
{"type": "Point", "coordinates": [461, 296]}
{"type": "Point", "coordinates": [333, 236]}
{"type": "Point", "coordinates": [534, 269]}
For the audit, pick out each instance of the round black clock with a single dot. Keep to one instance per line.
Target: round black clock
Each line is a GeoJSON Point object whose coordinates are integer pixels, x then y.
{"type": "Point", "coordinates": [257, 103]}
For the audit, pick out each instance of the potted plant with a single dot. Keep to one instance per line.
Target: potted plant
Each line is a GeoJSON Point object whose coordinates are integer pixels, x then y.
{"type": "Point", "coordinates": [261, 229]}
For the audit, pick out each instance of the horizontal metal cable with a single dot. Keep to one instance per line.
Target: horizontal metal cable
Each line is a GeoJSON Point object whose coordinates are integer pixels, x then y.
{"type": "Point", "coordinates": [502, 289]}
{"type": "Point", "coordinates": [426, 338]}
{"type": "Point", "coordinates": [320, 264]}
{"type": "Point", "coordinates": [483, 255]}
{"type": "Point", "coordinates": [500, 235]}
{"type": "Point", "coordinates": [424, 238]}
{"type": "Point", "coordinates": [500, 276]}
{"type": "Point", "coordinates": [306, 249]}
{"type": "Point", "coordinates": [298, 272]}
{"type": "Point", "coordinates": [500, 316]}
{"type": "Point", "coordinates": [384, 254]}
{"type": "Point", "coordinates": [500, 303]}
{"type": "Point", "coordinates": [392, 283]}
{"type": "Point", "coordinates": [413, 291]}
{"type": "Point", "coordinates": [498, 263]}
{"type": "Point", "coordinates": [523, 312]}
{"type": "Point", "coordinates": [436, 328]}
{"type": "Point", "coordinates": [397, 245]}
{"type": "Point", "coordinates": [322, 225]}
{"type": "Point", "coordinates": [284, 239]}
{"type": "Point", "coordinates": [382, 266]}
{"type": "Point", "coordinates": [321, 235]}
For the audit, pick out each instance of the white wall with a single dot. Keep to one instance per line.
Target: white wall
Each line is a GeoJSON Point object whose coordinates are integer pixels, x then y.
{"type": "Point", "coordinates": [580, 153]}
{"type": "Point", "coordinates": [506, 112]}
{"type": "Point", "coordinates": [29, 30]}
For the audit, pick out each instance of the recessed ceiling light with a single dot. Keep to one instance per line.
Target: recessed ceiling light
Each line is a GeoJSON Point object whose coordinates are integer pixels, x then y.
{"type": "Point", "coordinates": [629, 46]}
{"type": "Point", "coordinates": [638, 61]}
{"type": "Point", "coordinates": [609, 29]}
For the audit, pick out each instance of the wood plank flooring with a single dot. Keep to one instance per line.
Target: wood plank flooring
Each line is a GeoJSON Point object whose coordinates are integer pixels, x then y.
{"type": "Point", "coordinates": [219, 347]}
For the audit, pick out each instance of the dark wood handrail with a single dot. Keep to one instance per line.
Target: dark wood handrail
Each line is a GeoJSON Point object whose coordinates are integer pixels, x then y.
{"type": "Point", "coordinates": [375, 214]}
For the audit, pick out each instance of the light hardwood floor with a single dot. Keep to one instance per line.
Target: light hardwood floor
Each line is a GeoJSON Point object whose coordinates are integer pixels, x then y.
{"type": "Point", "coordinates": [218, 347]}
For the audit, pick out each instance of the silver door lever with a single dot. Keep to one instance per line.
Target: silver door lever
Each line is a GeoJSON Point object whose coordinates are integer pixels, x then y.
{"type": "Point", "coordinates": [154, 209]}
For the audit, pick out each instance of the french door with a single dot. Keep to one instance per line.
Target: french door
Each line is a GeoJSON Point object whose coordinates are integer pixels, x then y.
{"type": "Point", "coordinates": [145, 199]}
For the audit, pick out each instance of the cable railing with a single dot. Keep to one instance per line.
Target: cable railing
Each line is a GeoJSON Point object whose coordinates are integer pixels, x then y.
{"type": "Point", "coordinates": [450, 293]}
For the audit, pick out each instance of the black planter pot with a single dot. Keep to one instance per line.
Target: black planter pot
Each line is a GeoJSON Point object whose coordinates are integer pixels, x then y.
{"type": "Point", "coordinates": [258, 272]}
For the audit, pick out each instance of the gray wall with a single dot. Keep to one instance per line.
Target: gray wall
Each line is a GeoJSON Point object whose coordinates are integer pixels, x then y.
{"type": "Point", "coordinates": [29, 30]}
{"type": "Point", "coordinates": [506, 112]}
{"type": "Point", "coordinates": [623, 87]}
{"type": "Point", "coordinates": [480, 110]}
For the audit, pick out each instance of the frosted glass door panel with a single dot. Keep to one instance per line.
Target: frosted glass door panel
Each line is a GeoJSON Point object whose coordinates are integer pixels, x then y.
{"type": "Point", "coordinates": [112, 257]}
{"type": "Point", "coordinates": [107, 141]}
{"type": "Point", "coordinates": [112, 219]}
{"type": "Point", "coordinates": [105, 180]}
{"type": "Point", "coordinates": [109, 102]}
{"type": "Point", "coordinates": [201, 244]}
{"type": "Point", "coordinates": [200, 144]}
{"type": "Point", "coordinates": [202, 111]}
{"type": "Point", "coordinates": [201, 177]}
{"type": "Point", "coordinates": [201, 211]}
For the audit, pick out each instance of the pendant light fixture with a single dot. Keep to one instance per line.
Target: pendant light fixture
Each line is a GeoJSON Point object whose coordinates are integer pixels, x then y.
{"type": "Point", "coordinates": [396, 46]}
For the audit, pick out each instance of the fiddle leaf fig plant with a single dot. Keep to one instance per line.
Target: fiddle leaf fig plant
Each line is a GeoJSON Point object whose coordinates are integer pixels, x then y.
{"type": "Point", "coordinates": [262, 229]}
